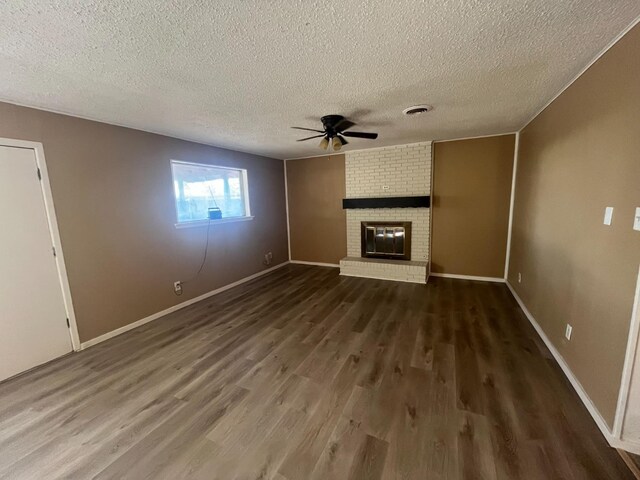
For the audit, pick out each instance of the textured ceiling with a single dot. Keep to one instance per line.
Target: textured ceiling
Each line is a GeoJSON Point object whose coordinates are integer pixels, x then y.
{"type": "Point", "coordinates": [238, 73]}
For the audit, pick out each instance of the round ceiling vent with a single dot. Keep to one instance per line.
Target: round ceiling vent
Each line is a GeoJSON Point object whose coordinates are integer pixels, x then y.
{"type": "Point", "coordinates": [417, 109]}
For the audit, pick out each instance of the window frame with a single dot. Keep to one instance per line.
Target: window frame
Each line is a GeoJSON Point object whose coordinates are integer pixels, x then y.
{"type": "Point", "coordinates": [244, 188]}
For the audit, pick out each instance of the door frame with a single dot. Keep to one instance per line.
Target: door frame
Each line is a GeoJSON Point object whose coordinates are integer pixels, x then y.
{"type": "Point", "coordinates": [52, 221]}
{"type": "Point", "coordinates": [630, 361]}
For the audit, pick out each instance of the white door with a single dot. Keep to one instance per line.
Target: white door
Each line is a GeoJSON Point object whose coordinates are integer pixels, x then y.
{"type": "Point", "coordinates": [33, 322]}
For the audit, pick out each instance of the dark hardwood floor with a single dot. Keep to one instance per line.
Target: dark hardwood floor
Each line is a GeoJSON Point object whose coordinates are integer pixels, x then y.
{"type": "Point", "coordinates": [303, 374]}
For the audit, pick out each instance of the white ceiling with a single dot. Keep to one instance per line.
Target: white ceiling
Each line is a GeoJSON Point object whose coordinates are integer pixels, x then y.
{"type": "Point", "coordinates": [238, 73]}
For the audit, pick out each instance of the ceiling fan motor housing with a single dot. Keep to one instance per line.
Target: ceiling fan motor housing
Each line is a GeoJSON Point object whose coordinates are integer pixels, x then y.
{"type": "Point", "coordinates": [329, 122]}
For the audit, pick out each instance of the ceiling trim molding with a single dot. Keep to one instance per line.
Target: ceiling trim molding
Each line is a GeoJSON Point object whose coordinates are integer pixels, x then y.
{"type": "Point", "coordinates": [475, 137]}
{"type": "Point", "coordinates": [359, 150]}
{"type": "Point", "coordinates": [413, 143]}
{"type": "Point", "coordinates": [332, 154]}
{"type": "Point", "coordinates": [581, 72]}
{"type": "Point", "coordinates": [129, 127]}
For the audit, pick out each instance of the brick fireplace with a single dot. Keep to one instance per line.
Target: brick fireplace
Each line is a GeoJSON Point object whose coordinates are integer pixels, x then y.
{"type": "Point", "coordinates": [398, 172]}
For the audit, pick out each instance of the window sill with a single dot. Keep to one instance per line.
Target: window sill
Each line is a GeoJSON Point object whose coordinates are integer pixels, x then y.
{"type": "Point", "coordinates": [206, 223]}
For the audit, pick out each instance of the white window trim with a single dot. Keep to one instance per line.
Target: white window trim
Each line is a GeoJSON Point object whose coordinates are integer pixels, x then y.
{"type": "Point", "coordinates": [206, 222]}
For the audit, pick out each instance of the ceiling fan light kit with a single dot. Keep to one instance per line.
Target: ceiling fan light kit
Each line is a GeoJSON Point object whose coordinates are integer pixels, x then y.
{"type": "Point", "coordinates": [335, 128]}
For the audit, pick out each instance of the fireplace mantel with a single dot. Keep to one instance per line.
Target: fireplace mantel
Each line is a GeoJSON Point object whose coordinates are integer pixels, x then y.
{"type": "Point", "coordinates": [387, 202]}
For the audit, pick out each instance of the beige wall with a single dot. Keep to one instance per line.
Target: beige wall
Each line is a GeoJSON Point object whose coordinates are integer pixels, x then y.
{"type": "Point", "coordinates": [317, 222]}
{"type": "Point", "coordinates": [113, 196]}
{"type": "Point", "coordinates": [579, 156]}
{"type": "Point", "coordinates": [471, 198]}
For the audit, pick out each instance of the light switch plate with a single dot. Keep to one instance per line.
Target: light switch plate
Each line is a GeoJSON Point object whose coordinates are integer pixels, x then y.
{"type": "Point", "coordinates": [636, 220]}
{"type": "Point", "coordinates": [568, 331]}
{"type": "Point", "coordinates": [608, 215]}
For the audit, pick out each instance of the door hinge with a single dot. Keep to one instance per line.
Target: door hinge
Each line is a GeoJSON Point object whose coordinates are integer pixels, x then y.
{"type": "Point", "coordinates": [68, 324]}
{"type": "Point", "coordinates": [54, 251]}
{"type": "Point", "coordinates": [39, 175]}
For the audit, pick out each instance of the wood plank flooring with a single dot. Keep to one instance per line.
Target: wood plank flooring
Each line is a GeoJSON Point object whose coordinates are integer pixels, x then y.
{"type": "Point", "coordinates": [303, 374]}
{"type": "Point", "coordinates": [633, 462]}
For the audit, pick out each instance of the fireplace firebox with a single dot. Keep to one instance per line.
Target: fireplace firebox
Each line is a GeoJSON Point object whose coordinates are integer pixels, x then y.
{"type": "Point", "coordinates": [390, 240]}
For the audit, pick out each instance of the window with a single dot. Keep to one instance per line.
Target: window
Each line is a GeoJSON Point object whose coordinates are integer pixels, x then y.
{"type": "Point", "coordinates": [198, 188]}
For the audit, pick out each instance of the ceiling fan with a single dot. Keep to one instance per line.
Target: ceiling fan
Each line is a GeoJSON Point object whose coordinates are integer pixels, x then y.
{"type": "Point", "coordinates": [334, 130]}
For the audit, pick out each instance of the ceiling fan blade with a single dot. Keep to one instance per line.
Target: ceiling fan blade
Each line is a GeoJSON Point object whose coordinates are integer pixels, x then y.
{"type": "Point", "coordinates": [370, 136]}
{"type": "Point", "coordinates": [342, 125]}
{"type": "Point", "coordinates": [308, 129]}
{"type": "Point", "coordinates": [343, 140]}
{"type": "Point", "coordinates": [309, 138]}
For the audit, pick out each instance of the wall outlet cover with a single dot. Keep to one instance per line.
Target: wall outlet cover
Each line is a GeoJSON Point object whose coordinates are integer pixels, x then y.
{"type": "Point", "coordinates": [636, 220]}
{"type": "Point", "coordinates": [608, 215]}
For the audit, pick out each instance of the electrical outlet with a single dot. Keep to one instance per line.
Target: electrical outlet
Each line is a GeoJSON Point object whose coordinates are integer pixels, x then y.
{"type": "Point", "coordinates": [268, 258]}
{"type": "Point", "coordinates": [519, 277]}
{"type": "Point", "coordinates": [636, 219]}
{"type": "Point", "coordinates": [568, 331]}
{"type": "Point", "coordinates": [177, 287]}
{"type": "Point", "coordinates": [385, 187]}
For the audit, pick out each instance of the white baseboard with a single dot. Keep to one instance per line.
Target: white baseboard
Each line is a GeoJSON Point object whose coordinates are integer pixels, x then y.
{"type": "Point", "coordinates": [626, 445]}
{"type": "Point", "coordinates": [383, 278]}
{"type": "Point", "coordinates": [595, 414]}
{"type": "Point", "coordinates": [317, 264]}
{"type": "Point", "coordinates": [468, 277]}
{"type": "Point", "coordinates": [155, 316]}
{"type": "Point", "coordinates": [630, 463]}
